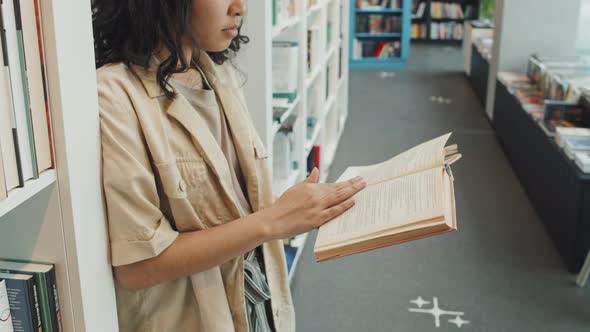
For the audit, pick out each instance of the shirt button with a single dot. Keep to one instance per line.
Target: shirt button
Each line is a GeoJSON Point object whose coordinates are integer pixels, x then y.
{"type": "Point", "coordinates": [182, 186]}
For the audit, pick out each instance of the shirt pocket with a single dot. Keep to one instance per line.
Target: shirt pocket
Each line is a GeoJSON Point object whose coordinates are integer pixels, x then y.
{"type": "Point", "coordinates": [204, 191]}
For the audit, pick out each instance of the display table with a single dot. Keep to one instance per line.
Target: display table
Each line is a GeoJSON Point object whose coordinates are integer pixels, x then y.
{"type": "Point", "coordinates": [480, 68]}
{"type": "Point", "coordinates": [557, 189]}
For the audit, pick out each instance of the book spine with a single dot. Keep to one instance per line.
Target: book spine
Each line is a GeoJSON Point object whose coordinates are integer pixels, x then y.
{"type": "Point", "coordinates": [26, 90]}
{"type": "Point", "coordinates": [31, 39]}
{"type": "Point", "coordinates": [54, 307]}
{"type": "Point", "coordinates": [24, 162]}
{"type": "Point", "coordinates": [43, 301]}
{"type": "Point", "coordinates": [5, 316]}
{"type": "Point", "coordinates": [44, 79]}
{"type": "Point", "coordinates": [34, 304]}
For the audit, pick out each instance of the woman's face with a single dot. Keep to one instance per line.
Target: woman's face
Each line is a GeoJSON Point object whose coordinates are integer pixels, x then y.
{"type": "Point", "coordinates": [215, 22]}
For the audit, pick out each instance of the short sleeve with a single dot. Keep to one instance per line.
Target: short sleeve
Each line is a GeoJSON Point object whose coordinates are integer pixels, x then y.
{"type": "Point", "coordinates": [138, 230]}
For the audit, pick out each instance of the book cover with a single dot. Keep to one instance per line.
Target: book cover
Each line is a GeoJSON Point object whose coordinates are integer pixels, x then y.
{"type": "Point", "coordinates": [34, 84]}
{"type": "Point", "coordinates": [7, 143]}
{"type": "Point", "coordinates": [17, 82]}
{"type": "Point", "coordinates": [45, 279]}
{"type": "Point", "coordinates": [5, 317]}
{"type": "Point", "coordinates": [26, 113]}
{"type": "Point", "coordinates": [24, 307]}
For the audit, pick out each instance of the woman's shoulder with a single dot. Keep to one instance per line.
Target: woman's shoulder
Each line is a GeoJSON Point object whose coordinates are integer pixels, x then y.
{"type": "Point", "coordinates": [116, 82]}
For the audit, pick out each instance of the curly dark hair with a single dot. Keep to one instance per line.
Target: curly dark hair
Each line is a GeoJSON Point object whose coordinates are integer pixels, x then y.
{"type": "Point", "coordinates": [129, 31]}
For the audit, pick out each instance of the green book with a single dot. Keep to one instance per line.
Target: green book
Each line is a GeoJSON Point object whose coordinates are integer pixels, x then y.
{"type": "Point", "coordinates": [23, 301]}
{"type": "Point", "coordinates": [45, 280]}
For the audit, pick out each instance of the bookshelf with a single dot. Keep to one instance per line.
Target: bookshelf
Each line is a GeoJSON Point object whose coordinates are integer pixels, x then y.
{"type": "Point", "coordinates": [59, 217]}
{"type": "Point", "coordinates": [380, 37]}
{"type": "Point", "coordinates": [440, 28]}
{"type": "Point", "coordinates": [322, 90]}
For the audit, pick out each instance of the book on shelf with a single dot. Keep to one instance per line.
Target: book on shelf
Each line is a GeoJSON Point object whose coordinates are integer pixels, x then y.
{"type": "Point", "coordinates": [35, 84]}
{"type": "Point", "coordinates": [45, 282]}
{"type": "Point", "coordinates": [283, 10]}
{"type": "Point", "coordinates": [313, 48]}
{"type": "Point", "coordinates": [564, 133]}
{"type": "Point", "coordinates": [571, 146]}
{"type": "Point", "coordinates": [5, 316]}
{"type": "Point", "coordinates": [408, 197]}
{"type": "Point", "coordinates": [378, 4]}
{"type": "Point", "coordinates": [8, 148]}
{"type": "Point", "coordinates": [285, 59]}
{"type": "Point", "coordinates": [23, 302]}
{"type": "Point", "coordinates": [582, 160]}
{"type": "Point", "coordinates": [17, 74]}
{"type": "Point", "coordinates": [25, 138]}
{"type": "Point", "coordinates": [376, 49]}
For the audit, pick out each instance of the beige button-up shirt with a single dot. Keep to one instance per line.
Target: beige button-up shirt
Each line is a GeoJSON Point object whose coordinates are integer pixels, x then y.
{"type": "Point", "coordinates": [164, 173]}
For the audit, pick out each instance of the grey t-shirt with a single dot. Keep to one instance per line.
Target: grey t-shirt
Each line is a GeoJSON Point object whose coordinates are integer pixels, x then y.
{"type": "Point", "coordinates": [206, 103]}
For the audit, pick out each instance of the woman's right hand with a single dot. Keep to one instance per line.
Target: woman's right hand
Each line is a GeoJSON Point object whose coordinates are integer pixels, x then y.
{"type": "Point", "coordinates": [309, 205]}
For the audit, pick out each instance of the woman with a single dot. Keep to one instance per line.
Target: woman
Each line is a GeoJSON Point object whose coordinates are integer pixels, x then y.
{"type": "Point", "coordinates": [194, 234]}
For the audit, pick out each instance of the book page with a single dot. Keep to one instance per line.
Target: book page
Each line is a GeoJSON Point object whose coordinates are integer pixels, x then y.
{"type": "Point", "coordinates": [399, 202]}
{"type": "Point", "coordinates": [424, 156]}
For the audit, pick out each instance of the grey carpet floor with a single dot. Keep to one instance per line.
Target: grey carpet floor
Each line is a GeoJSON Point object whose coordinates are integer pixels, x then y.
{"type": "Point", "coordinates": [500, 268]}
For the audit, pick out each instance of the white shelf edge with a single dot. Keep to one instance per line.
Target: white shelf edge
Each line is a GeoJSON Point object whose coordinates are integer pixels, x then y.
{"type": "Point", "coordinates": [282, 185]}
{"type": "Point", "coordinates": [340, 84]}
{"type": "Point", "coordinates": [332, 147]}
{"type": "Point", "coordinates": [283, 26]}
{"type": "Point", "coordinates": [329, 104]}
{"type": "Point", "coordinates": [303, 238]}
{"type": "Point", "coordinates": [316, 134]}
{"type": "Point", "coordinates": [314, 74]}
{"type": "Point", "coordinates": [330, 154]}
{"type": "Point", "coordinates": [331, 51]}
{"type": "Point", "coordinates": [32, 187]}
{"type": "Point", "coordinates": [277, 126]}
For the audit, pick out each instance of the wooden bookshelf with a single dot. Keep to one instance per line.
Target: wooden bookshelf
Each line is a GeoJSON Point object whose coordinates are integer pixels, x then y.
{"type": "Point", "coordinates": [331, 104]}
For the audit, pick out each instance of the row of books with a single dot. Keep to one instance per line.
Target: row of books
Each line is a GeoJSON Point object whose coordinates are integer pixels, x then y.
{"type": "Point", "coordinates": [446, 31]}
{"type": "Point", "coordinates": [376, 49]}
{"type": "Point", "coordinates": [25, 142]}
{"type": "Point", "coordinates": [283, 10]}
{"type": "Point", "coordinates": [378, 23]}
{"type": "Point", "coordinates": [284, 148]}
{"type": "Point", "coordinates": [419, 31]}
{"type": "Point", "coordinates": [440, 10]}
{"type": "Point", "coordinates": [285, 59]}
{"type": "Point", "coordinates": [378, 4]}
{"type": "Point", "coordinates": [576, 144]}
{"type": "Point", "coordinates": [313, 48]}
{"type": "Point", "coordinates": [29, 299]}
{"type": "Point", "coordinates": [555, 92]}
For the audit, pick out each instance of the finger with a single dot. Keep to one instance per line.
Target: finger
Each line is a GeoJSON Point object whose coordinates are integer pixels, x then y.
{"type": "Point", "coordinates": [336, 210]}
{"type": "Point", "coordinates": [346, 183]}
{"type": "Point", "coordinates": [314, 177]}
{"type": "Point", "coordinates": [338, 196]}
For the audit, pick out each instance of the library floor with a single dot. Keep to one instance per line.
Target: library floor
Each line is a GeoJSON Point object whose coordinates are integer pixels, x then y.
{"type": "Point", "coordinates": [499, 269]}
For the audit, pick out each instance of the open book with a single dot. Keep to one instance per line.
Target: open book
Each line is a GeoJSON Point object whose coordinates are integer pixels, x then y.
{"type": "Point", "coordinates": [408, 197]}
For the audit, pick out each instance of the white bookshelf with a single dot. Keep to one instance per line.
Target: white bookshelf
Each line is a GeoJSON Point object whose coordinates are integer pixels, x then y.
{"type": "Point", "coordinates": [330, 109]}
{"type": "Point", "coordinates": [59, 217]}
{"type": "Point", "coordinates": [18, 196]}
